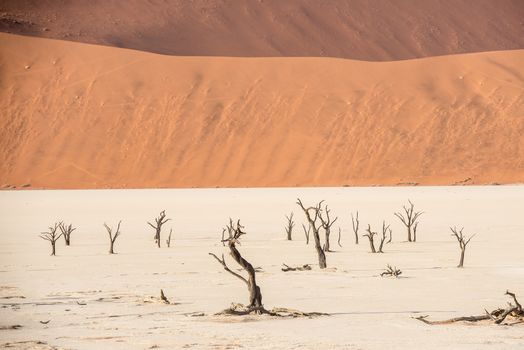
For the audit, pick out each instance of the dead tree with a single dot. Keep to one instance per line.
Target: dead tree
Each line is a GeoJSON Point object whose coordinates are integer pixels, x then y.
{"type": "Point", "coordinates": [356, 223]}
{"type": "Point", "coordinates": [339, 234]}
{"type": "Point", "coordinates": [306, 232]}
{"type": "Point", "coordinates": [112, 236]}
{"type": "Point", "coordinates": [312, 216]}
{"type": "Point", "coordinates": [289, 226]}
{"type": "Point", "coordinates": [255, 295]}
{"type": "Point", "coordinates": [497, 316]}
{"type": "Point", "coordinates": [326, 225]}
{"type": "Point", "coordinates": [463, 243]}
{"type": "Point", "coordinates": [409, 219]}
{"type": "Point", "coordinates": [391, 272]}
{"type": "Point", "coordinates": [390, 236]}
{"type": "Point", "coordinates": [370, 235]}
{"type": "Point", "coordinates": [383, 237]}
{"type": "Point", "coordinates": [66, 232]}
{"type": "Point", "coordinates": [52, 237]}
{"type": "Point", "coordinates": [168, 240]}
{"type": "Point", "coordinates": [160, 220]}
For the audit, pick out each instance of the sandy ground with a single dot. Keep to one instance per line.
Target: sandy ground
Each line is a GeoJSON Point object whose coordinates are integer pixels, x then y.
{"type": "Point", "coordinates": [84, 116]}
{"type": "Point", "coordinates": [368, 312]}
{"type": "Point", "coordinates": [379, 30]}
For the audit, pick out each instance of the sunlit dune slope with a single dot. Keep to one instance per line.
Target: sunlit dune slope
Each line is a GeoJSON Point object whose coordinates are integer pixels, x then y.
{"type": "Point", "coordinates": [83, 116]}
{"type": "Point", "coordinates": [378, 30]}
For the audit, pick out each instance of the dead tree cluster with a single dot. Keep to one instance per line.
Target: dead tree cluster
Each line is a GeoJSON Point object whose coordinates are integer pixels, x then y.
{"type": "Point", "coordinates": [512, 314]}
{"type": "Point", "coordinates": [113, 235]}
{"type": "Point", "coordinates": [289, 226]}
{"type": "Point", "coordinates": [410, 219]}
{"type": "Point", "coordinates": [463, 243]}
{"type": "Point", "coordinates": [159, 222]}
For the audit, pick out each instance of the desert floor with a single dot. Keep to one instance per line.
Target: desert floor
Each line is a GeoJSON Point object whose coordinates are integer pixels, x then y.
{"type": "Point", "coordinates": [96, 300]}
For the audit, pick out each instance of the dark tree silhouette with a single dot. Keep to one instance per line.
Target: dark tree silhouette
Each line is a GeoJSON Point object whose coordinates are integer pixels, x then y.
{"type": "Point", "coordinates": [409, 218]}
{"type": "Point", "coordinates": [52, 236]}
{"type": "Point", "coordinates": [159, 221]}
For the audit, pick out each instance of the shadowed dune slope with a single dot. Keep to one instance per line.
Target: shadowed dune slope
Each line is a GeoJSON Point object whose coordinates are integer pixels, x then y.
{"type": "Point", "coordinates": [83, 116]}
{"type": "Point", "coordinates": [378, 30]}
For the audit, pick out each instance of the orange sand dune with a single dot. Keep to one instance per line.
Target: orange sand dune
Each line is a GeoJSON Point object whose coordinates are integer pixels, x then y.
{"type": "Point", "coordinates": [82, 116]}
{"type": "Point", "coordinates": [375, 30]}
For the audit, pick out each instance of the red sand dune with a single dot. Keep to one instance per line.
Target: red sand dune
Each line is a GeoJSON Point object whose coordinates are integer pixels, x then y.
{"type": "Point", "coordinates": [375, 30]}
{"type": "Point", "coordinates": [83, 116]}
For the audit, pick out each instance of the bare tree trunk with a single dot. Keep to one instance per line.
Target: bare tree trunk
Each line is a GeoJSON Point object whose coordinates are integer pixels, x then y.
{"type": "Point", "coordinates": [111, 244]}
{"type": "Point", "coordinates": [370, 235]}
{"type": "Point", "coordinates": [53, 248]}
{"type": "Point", "coordinates": [326, 224]}
{"type": "Point", "coordinates": [289, 226]}
{"type": "Point", "coordinates": [462, 252]}
{"type": "Point", "coordinates": [384, 236]}
{"type": "Point", "coordinates": [313, 225]}
{"type": "Point", "coordinates": [306, 232]}
{"type": "Point", "coordinates": [326, 244]}
{"type": "Point", "coordinates": [356, 223]}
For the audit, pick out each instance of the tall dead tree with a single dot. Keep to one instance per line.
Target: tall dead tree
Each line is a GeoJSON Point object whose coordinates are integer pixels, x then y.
{"type": "Point", "coordinates": [463, 243]}
{"type": "Point", "coordinates": [370, 235]}
{"type": "Point", "coordinates": [409, 218]}
{"type": "Point", "coordinates": [385, 229]}
{"type": "Point", "coordinates": [289, 226]}
{"type": "Point", "coordinates": [160, 220]}
{"type": "Point", "coordinates": [66, 232]}
{"type": "Point", "coordinates": [52, 236]}
{"type": "Point", "coordinates": [312, 216]}
{"type": "Point", "coordinates": [255, 295]}
{"type": "Point", "coordinates": [356, 223]}
{"type": "Point", "coordinates": [112, 236]}
{"type": "Point", "coordinates": [306, 232]}
{"type": "Point", "coordinates": [326, 222]}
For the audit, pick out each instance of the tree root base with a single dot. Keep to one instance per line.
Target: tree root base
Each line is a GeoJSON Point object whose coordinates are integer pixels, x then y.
{"type": "Point", "coordinates": [241, 310]}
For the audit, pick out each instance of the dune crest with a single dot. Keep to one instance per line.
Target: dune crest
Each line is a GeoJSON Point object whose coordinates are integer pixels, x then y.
{"type": "Point", "coordinates": [379, 30]}
{"type": "Point", "coordinates": [84, 116]}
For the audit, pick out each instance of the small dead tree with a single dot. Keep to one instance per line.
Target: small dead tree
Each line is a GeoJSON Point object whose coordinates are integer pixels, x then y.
{"type": "Point", "coordinates": [463, 243]}
{"type": "Point", "coordinates": [370, 235]}
{"type": "Point", "coordinates": [66, 232]}
{"type": "Point", "coordinates": [356, 223]}
{"type": "Point", "coordinates": [385, 229]}
{"type": "Point", "coordinates": [289, 226]}
{"type": "Point", "coordinates": [326, 222]}
{"type": "Point", "coordinates": [52, 236]}
{"type": "Point", "coordinates": [306, 232]}
{"type": "Point", "coordinates": [339, 236]}
{"type": "Point", "coordinates": [255, 295]}
{"type": "Point", "coordinates": [390, 236]}
{"type": "Point", "coordinates": [409, 218]}
{"type": "Point", "coordinates": [160, 220]}
{"type": "Point", "coordinates": [112, 236]}
{"type": "Point", "coordinates": [168, 240]}
{"type": "Point", "coordinates": [312, 216]}
{"type": "Point", "coordinates": [391, 272]}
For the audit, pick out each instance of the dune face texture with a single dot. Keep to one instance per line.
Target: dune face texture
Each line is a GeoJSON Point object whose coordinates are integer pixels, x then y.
{"type": "Point", "coordinates": [379, 30]}
{"type": "Point", "coordinates": [82, 116]}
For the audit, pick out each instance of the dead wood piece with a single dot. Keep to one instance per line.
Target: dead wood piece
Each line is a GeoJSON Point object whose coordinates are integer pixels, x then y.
{"type": "Point", "coordinates": [305, 267]}
{"type": "Point", "coordinates": [391, 271]}
{"type": "Point", "coordinates": [241, 310]}
{"type": "Point", "coordinates": [163, 297]}
{"type": "Point", "coordinates": [14, 326]}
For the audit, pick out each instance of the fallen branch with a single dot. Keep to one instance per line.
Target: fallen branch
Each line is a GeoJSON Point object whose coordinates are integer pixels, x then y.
{"type": "Point", "coordinates": [305, 267]}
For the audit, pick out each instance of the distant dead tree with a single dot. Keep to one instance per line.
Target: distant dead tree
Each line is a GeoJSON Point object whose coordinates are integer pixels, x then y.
{"type": "Point", "coordinates": [356, 223]}
{"type": "Point", "coordinates": [168, 240]}
{"type": "Point", "coordinates": [160, 220]}
{"type": "Point", "coordinates": [66, 232]}
{"type": "Point", "coordinates": [306, 232]}
{"type": "Point", "coordinates": [326, 222]}
{"type": "Point", "coordinates": [463, 243]}
{"type": "Point", "coordinates": [409, 218]}
{"type": "Point", "coordinates": [339, 234]}
{"type": "Point", "coordinates": [370, 235]}
{"type": "Point", "coordinates": [289, 226]}
{"type": "Point", "coordinates": [390, 236]}
{"type": "Point", "coordinates": [255, 295]}
{"type": "Point", "coordinates": [52, 236]}
{"type": "Point", "coordinates": [112, 236]}
{"type": "Point", "coordinates": [384, 236]}
{"type": "Point", "coordinates": [312, 216]}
